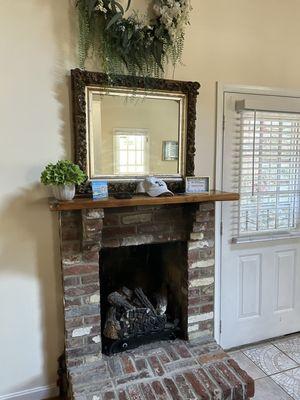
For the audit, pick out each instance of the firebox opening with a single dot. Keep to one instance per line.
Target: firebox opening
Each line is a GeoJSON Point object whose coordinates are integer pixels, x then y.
{"type": "Point", "coordinates": [143, 294]}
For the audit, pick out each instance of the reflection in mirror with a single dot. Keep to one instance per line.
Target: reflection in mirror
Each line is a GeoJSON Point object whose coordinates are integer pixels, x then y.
{"type": "Point", "coordinates": [131, 134]}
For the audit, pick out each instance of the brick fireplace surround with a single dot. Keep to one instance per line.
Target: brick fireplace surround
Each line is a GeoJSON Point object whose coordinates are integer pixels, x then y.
{"type": "Point", "coordinates": [195, 368]}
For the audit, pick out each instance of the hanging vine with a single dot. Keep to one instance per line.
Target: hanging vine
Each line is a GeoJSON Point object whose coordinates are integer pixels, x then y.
{"type": "Point", "coordinates": [129, 45]}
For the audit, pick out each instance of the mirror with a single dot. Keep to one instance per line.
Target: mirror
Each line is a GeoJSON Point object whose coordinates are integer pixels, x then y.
{"type": "Point", "coordinates": [134, 134]}
{"type": "Point", "coordinates": [128, 127]}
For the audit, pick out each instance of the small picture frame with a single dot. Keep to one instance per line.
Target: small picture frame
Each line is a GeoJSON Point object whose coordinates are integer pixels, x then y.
{"type": "Point", "coordinates": [170, 150]}
{"type": "Point", "coordinates": [100, 189]}
{"type": "Point", "coordinates": [197, 184]}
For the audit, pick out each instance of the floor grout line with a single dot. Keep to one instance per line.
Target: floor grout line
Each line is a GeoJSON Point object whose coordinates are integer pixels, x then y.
{"type": "Point", "coordinates": [281, 351]}
{"type": "Point", "coordinates": [286, 354]}
{"type": "Point", "coordinates": [282, 388]}
{"type": "Point", "coordinates": [276, 373]}
{"type": "Point", "coordinates": [257, 366]}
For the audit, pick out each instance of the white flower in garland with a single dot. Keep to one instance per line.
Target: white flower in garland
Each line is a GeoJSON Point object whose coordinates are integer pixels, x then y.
{"type": "Point", "coordinates": [174, 16]}
{"type": "Point", "coordinates": [100, 7]}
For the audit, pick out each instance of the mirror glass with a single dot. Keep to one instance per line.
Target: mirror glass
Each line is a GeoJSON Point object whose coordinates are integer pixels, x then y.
{"type": "Point", "coordinates": [132, 134]}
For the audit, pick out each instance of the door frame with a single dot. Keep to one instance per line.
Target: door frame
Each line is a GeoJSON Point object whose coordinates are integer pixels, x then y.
{"type": "Point", "coordinates": [221, 88]}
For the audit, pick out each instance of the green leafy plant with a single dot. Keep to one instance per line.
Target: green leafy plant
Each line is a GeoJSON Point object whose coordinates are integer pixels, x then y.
{"type": "Point", "coordinates": [64, 172]}
{"type": "Point", "coordinates": [129, 45]}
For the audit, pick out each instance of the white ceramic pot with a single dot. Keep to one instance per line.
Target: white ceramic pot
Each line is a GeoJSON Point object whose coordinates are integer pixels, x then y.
{"type": "Point", "coordinates": [64, 192]}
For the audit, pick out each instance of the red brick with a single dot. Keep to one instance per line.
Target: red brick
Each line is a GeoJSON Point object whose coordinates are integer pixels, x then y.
{"type": "Point", "coordinates": [90, 256]}
{"type": "Point", "coordinates": [208, 358]}
{"type": "Point", "coordinates": [244, 376]}
{"type": "Point", "coordinates": [110, 242]}
{"type": "Point", "coordinates": [206, 253]}
{"type": "Point", "coordinates": [91, 278]}
{"type": "Point", "coordinates": [160, 392]}
{"type": "Point", "coordinates": [221, 381]}
{"type": "Point", "coordinates": [207, 298]}
{"type": "Point", "coordinates": [109, 396]}
{"type": "Point", "coordinates": [231, 378]}
{"type": "Point", "coordinates": [193, 310]}
{"type": "Point", "coordinates": [118, 231]}
{"type": "Point", "coordinates": [75, 362]}
{"type": "Point", "coordinates": [206, 381]}
{"type": "Point", "coordinates": [73, 322]}
{"type": "Point", "coordinates": [140, 364]}
{"type": "Point", "coordinates": [92, 319]}
{"type": "Point", "coordinates": [71, 281]}
{"type": "Point", "coordinates": [84, 351]}
{"type": "Point", "coordinates": [92, 225]}
{"type": "Point", "coordinates": [207, 308]}
{"type": "Point", "coordinates": [82, 290]}
{"type": "Point", "coordinates": [71, 232]}
{"type": "Point", "coordinates": [129, 378]}
{"type": "Point", "coordinates": [193, 256]}
{"type": "Point", "coordinates": [147, 391]}
{"type": "Point", "coordinates": [184, 388]}
{"type": "Point", "coordinates": [197, 386]}
{"type": "Point", "coordinates": [111, 220]}
{"type": "Point", "coordinates": [156, 365]}
{"type": "Point", "coordinates": [153, 228]}
{"type": "Point", "coordinates": [134, 393]}
{"type": "Point", "coordinates": [71, 259]}
{"type": "Point", "coordinates": [164, 359]}
{"type": "Point", "coordinates": [206, 325]}
{"type": "Point", "coordinates": [169, 237]}
{"type": "Point", "coordinates": [81, 269]}
{"type": "Point", "coordinates": [194, 293]}
{"type": "Point", "coordinates": [91, 245]}
{"type": "Point", "coordinates": [122, 395]}
{"type": "Point", "coordinates": [127, 364]}
{"type": "Point", "coordinates": [168, 215]}
{"type": "Point", "coordinates": [172, 354]}
{"type": "Point", "coordinates": [74, 342]}
{"type": "Point", "coordinates": [182, 350]}
{"type": "Point", "coordinates": [170, 385]}
{"type": "Point", "coordinates": [69, 246]}
{"type": "Point", "coordinates": [72, 302]}
{"type": "Point", "coordinates": [118, 210]}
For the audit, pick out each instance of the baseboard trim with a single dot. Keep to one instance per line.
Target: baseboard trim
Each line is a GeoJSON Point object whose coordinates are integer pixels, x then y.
{"type": "Point", "coordinates": [39, 393]}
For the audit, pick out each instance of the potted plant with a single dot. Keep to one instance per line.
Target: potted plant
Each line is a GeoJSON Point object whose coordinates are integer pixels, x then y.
{"type": "Point", "coordinates": [63, 176]}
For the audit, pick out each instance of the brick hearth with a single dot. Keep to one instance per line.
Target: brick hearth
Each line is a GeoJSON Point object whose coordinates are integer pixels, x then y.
{"type": "Point", "coordinates": [192, 369]}
{"type": "Point", "coordinates": [164, 370]}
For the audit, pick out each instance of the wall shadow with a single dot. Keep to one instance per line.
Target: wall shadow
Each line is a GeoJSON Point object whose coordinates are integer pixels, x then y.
{"type": "Point", "coordinates": [29, 257]}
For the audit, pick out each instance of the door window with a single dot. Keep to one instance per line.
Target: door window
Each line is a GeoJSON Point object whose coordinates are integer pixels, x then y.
{"type": "Point", "coordinates": [268, 162]}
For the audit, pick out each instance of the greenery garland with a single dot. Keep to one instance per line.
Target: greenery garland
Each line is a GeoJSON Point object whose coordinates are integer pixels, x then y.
{"type": "Point", "coordinates": [128, 45]}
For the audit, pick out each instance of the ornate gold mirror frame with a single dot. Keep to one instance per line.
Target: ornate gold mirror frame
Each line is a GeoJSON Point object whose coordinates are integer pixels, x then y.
{"type": "Point", "coordinates": [83, 82]}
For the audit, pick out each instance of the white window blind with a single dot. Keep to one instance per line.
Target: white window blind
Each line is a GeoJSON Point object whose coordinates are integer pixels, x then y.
{"type": "Point", "coordinates": [131, 152]}
{"type": "Point", "coordinates": [267, 164]}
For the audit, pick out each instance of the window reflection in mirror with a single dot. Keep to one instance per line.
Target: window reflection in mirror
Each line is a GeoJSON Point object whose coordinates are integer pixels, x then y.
{"type": "Point", "coordinates": [130, 135]}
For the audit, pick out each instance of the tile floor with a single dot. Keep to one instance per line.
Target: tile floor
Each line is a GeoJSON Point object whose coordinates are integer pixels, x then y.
{"type": "Point", "coordinates": [275, 367]}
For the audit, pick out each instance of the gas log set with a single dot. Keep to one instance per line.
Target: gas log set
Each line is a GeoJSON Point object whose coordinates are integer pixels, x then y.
{"type": "Point", "coordinates": [132, 319]}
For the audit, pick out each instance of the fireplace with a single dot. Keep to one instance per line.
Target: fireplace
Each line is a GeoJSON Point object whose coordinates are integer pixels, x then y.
{"type": "Point", "coordinates": [153, 257]}
{"type": "Point", "coordinates": [143, 294]}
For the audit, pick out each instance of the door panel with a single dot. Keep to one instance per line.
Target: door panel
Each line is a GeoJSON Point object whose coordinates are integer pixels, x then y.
{"type": "Point", "coordinates": [249, 286]}
{"type": "Point", "coordinates": [284, 280]}
{"type": "Point", "coordinates": [260, 280]}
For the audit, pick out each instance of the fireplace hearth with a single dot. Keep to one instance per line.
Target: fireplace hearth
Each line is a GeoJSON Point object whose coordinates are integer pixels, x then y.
{"type": "Point", "coordinates": [134, 278]}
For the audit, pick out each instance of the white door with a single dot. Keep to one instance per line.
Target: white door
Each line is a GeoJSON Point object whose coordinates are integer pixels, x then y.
{"type": "Point", "coordinates": [260, 244]}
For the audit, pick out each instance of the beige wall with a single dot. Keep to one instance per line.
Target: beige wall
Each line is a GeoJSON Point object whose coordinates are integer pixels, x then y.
{"type": "Point", "coordinates": [234, 41]}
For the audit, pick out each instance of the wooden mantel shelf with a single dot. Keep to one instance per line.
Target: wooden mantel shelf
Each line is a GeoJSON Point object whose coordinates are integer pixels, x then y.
{"type": "Point", "coordinates": [140, 200]}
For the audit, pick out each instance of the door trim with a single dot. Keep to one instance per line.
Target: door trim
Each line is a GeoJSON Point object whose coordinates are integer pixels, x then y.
{"type": "Point", "coordinates": [221, 89]}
